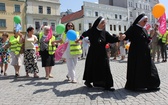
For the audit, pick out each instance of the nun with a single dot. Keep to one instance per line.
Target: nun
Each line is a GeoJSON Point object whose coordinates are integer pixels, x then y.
{"type": "Point", "coordinates": [97, 68]}
{"type": "Point", "coordinates": [142, 73]}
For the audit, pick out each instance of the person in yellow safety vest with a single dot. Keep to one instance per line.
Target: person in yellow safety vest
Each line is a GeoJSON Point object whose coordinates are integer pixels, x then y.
{"type": "Point", "coordinates": [163, 45]}
{"type": "Point", "coordinates": [15, 43]}
{"type": "Point", "coordinates": [47, 50]}
{"type": "Point", "coordinates": [72, 52]}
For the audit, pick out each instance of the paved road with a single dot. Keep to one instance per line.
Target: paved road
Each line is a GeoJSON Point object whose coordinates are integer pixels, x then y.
{"type": "Point", "coordinates": [57, 91]}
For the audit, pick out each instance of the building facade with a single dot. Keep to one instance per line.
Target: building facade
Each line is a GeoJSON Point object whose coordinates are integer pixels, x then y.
{"type": "Point", "coordinates": [9, 9]}
{"type": "Point", "coordinates": [116, 17]}
{"type": "Point", "coordinates": [43, 12]}
{"type": "Point", "coordinates": [134, 8]}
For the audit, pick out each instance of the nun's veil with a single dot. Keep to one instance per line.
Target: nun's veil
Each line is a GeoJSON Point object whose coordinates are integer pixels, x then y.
{"type": "Point", "coordinates": [96, 23]}
{"type": "Point", "coordinates": [138, 18]}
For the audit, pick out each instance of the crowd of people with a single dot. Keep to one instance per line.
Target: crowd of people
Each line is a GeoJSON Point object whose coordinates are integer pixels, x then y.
{"type": "Point", "coordinates": [98, 46]}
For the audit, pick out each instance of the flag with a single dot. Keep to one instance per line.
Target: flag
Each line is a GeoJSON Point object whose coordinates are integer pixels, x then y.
{"type": "Point", "coordinates": [60, 51]}
{"type": "Point", "coordinates": [162, 24]}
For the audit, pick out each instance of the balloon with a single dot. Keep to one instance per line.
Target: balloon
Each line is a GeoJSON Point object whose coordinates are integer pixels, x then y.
{"type": "Point", "coordinates": [158, 10]}
{"type": "Point", "coordinates": [127, 46]}
{"type": "Point", "coordinates": [18, 27]}
{"type": "Point", "coordinates": [72, 35]}
{"type": "Point", "coordinates": [60, 28]}
{"type": "Point", "coordinates": [17, 19]}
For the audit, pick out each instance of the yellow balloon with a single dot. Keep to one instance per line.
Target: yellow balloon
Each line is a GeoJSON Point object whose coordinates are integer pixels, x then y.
{"type": "Point", "coordinates": [158, 10]}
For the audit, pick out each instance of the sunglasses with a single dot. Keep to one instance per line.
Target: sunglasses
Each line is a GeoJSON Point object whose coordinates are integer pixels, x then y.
{"type": "Point", "coordinates": [70, 25]}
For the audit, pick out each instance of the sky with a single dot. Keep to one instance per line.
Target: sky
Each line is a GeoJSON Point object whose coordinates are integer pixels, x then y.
{"type": "Point", "coordinates": [75, 5]}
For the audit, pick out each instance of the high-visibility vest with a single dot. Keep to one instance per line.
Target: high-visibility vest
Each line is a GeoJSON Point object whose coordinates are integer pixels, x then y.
{"type": "Point", "coordinates": [164, 37]}
{"type": "Point", "coordinates": [15, 45]}
{"type": "Point", "coordinates": [75, 48]}
{"type": "Point", "coordinates": [51, 48]}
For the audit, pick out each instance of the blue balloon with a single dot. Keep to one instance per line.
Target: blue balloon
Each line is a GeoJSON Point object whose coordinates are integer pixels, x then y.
{"type": "Point", "coordinates": [71, 35]}
{"type": "Point", "coordinates": [18, 27]}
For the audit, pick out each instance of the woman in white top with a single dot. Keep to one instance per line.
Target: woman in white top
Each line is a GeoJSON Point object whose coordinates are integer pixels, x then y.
{"type": "Point", "coordinates": [30, 60]}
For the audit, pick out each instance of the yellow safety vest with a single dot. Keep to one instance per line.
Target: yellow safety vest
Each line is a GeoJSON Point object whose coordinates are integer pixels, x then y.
{"type": "Point", "coordinates": [15, 44]}
{"type": "Point", "coordinates": [75, 48]}
{"type": "Point", "coordinates": [51, 48]}
{"type": "Point", "coordinates": [164, 37]}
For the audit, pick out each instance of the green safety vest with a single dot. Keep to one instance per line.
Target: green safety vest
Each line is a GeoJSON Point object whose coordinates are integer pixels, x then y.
{"type": "Point", "coordinates": [15, 44]}
{"type": "Point", "coordinates": [164, 37]}
{"type": "Point", "coordinates": [75, 48]}
{"type": "Point", "coordinates": [51, 48]}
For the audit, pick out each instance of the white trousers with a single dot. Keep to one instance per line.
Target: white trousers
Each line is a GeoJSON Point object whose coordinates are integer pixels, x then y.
{"type": "Point", "coordinates": [71, 64]}
{"type": "Point", "coordinates": [85, 51]}
{"type": "Point", "coordinates": [122, 51]}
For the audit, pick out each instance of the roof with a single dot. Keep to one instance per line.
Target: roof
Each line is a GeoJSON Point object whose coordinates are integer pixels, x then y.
{"type": "Point", "coordinates": [73, 16]}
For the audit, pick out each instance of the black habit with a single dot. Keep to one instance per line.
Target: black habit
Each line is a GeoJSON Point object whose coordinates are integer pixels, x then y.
{"type": "Point", "coordinates": [97, 68]}
{"type": "Point", "coordinates": [141, 70]}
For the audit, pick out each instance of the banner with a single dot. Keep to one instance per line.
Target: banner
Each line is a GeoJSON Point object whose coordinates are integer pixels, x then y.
{"type": "Point", "coordinates": [162, 24]}
{"type": "Point", "coordinates": [60, 51]}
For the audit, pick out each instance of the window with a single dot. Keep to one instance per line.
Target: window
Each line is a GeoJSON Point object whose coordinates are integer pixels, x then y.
{"type": "Point", "coordinates": [120, 16]}
{"type": "Point", "coordinates": [111, 27]}
{"type": "Point", "coordinates": [96, 14]}
{"type": "Point", "coordinates": [2, 6]}
{"type": "Point", "coordinates": [131, 14]}
{"type": "Point", "coordinates": [37, 25]}
{"type": "Point", "coordinates": [17, 8]}
{"type": "Point", "coordinates": [125, 28]}
{"type": "Point", "coordinates": [48, 10]}
{"type": "Point", "coordinates": [119, 27]}
{"type": "Point", "coordinates": [115, 16]}
{"type": "Point", "coordinates": [40, 9]}
{"type": "Point", "coordinates": [90, 25]}
{"type": "Point", "coordinates": [53, 26]}
{"type": "Point", "coordinates": [114, 27]}
{"type": "Point", "coordinates": [80, 27]}
{"type": "Point", "coordinates": [45, 23]}
{"type": "Point", "coordinates": [2, 23]}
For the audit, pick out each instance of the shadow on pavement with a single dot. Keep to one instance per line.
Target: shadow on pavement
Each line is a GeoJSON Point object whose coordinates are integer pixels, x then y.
{"type": "Point", "coordinates": [91, 93]}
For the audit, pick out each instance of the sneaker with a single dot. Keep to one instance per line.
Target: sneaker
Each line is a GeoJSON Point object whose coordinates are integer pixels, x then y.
{"type": "Point", "coordinates": [73, 81]}
{"type": "Point", "coordinates": [50, 76]}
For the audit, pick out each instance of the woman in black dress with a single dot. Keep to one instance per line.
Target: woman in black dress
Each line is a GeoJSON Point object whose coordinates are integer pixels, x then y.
{"type": "Point", "coordinates": [141, 70]}
{"type": "Point", "coordinates": [97, 68]}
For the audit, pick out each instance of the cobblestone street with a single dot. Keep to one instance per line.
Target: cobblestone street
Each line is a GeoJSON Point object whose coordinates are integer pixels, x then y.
{"type": "Point", "coordinates": [58, 91]}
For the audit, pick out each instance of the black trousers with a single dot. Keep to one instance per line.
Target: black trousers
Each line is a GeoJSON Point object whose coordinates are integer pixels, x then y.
{"type": "Point", "coordinates": [163, 51]}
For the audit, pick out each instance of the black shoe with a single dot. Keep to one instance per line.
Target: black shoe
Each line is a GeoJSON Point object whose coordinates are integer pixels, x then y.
{"type": "Point", "coordinates": [1, 71]}
{"type": "Point", "coordinates": [88, 85]}
{"type": "Point", "coordinates": [153, 89]}
{"type": "Point", "coordinates": [109, 89]}
{"type": "Point", "coordinates": [17, 75]}
{"type": "Point", "coordinates": [165, 60]}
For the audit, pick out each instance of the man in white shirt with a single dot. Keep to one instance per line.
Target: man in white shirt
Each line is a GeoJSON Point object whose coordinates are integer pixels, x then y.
{"type": "Point", "coordinates": [85, 46]}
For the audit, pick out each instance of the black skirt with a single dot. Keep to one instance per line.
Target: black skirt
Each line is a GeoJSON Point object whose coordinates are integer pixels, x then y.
{"type": "Point", "coordinates": [47, 59]}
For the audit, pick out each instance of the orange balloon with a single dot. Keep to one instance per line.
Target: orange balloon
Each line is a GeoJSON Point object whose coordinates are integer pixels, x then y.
{"type": "Point", "coordinates": [158, 10]}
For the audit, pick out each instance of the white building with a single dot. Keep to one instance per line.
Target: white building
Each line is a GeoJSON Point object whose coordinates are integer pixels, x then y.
{"type": "Point", "coordinates": [43, 12]}
{"type": "Point", "coordinates": [135, 7]}
{"type": "Point", "coordinates": [116, 17]}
